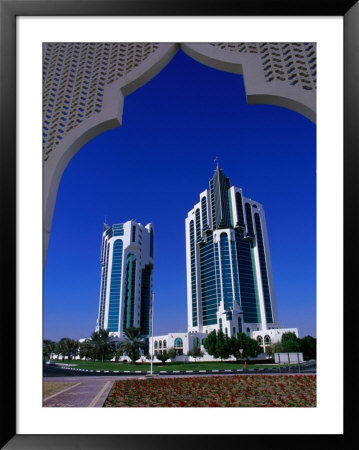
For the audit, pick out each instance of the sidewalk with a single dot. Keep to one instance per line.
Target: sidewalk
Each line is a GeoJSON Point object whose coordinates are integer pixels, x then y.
{"type": "Point", "coordinates": [85, 393]}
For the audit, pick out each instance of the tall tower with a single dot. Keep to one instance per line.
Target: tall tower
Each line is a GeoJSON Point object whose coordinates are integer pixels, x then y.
{"type": "Point", "coordinates": [229, 274]}
{"type": "Point", "coordinates": [127, 260]}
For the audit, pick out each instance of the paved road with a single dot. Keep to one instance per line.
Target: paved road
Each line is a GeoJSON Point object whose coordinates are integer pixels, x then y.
{"type": "Point", "coordinates": [58, 371]}
{"type": "Point", "coordinates": [85, 392]}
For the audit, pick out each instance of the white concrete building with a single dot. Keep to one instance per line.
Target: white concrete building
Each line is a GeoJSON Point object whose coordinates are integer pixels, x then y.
{"type": "Point", "coordinates": [127, 260]}
{"type": "Point", "coordinates": [271, 336]}
{"type": "Point", "coordinates": [182, 342]}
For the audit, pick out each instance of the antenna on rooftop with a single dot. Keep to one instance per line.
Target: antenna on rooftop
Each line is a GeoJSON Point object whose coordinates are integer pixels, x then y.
{"type": "Point", "coordinates": [216, 159]}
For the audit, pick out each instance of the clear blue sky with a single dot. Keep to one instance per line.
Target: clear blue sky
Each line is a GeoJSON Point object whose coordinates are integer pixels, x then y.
{"type": "Point", "coordinates": [153, 168]}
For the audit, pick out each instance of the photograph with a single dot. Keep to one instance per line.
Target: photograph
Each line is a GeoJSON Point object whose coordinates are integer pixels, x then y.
{"type": "Point", "coordinates": [179, 224]}
{"type": "Point", "coordinates": [178, 245]}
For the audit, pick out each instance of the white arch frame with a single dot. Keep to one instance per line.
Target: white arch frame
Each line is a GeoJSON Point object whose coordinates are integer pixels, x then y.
{"type": "Point", "coordinates": [246, 64]}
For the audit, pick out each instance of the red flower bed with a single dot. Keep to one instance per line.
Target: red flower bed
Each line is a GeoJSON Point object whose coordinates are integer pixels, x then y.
{"type": "Point", "coordinates": [215, 391]}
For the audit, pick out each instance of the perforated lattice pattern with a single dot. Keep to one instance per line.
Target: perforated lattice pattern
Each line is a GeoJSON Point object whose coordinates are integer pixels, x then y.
{"type": "Point", "coordinates": [74, 78]}
{"type": "Point", "coordinates": [294, 63]}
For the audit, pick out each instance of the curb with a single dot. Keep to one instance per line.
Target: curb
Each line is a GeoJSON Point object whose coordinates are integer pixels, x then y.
{"type": "Point", "coordinates": [173, 372]}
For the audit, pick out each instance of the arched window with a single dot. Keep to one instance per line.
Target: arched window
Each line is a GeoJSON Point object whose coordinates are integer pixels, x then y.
{"type": "Point", "coordinates": [196, 342]}
{"type": "Point", "coordinates": [267, 340]}
{"type": "Point", "coordinates": [260, 340]}
{"type": "Point", "coordinates": [160, 344]}
{"type": "Point", "coordinates": [220, 324]}
{"type": "Point", "coordinates": [164, 343]}
{"type": "Point", "coordinates": [156, 344]}
{"type": "Point", "coordinates": [198, 224]}
{"type": "Point", "coordinates": [203, 341]}
{"type": "Point", "coordinates": [178, 343]}
{"type": "Point", "coordinates": [248, 331]}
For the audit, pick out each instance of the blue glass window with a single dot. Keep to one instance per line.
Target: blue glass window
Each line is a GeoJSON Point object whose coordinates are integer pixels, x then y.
{"type": "Point", "coordinates": [114, 300]}
{"type": "Point", "coordinates": [198, 225]}
{"type": "Point", "coordinates": [239, 209]}
{"type": "Point", "coordinates": [248, 280]}
{"type": "Point", "coordinates": [193, 275]}
{"type": "Point", "coordinates": [204, 213]}
{"type": "Point", "coordinates": [226, 272]}
{"type": "Point", "coordinates": [130, 288]}
{"type": "Point", "coordinates": [151, 242]}
{"type": "Point", "coordinates": [263, 266]}
{"type": "Point", "coordinates": [249, 220]}
{"type": "Point", "coordinates": [208, 281]}
{"type": "Point", "coordinates": [178, 343]}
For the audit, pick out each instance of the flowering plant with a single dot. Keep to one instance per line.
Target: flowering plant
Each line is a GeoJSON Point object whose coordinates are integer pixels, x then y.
{"type": "Point", "coordinates": [215, 391]}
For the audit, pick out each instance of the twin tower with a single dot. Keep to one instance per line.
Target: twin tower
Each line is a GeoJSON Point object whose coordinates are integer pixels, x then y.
{"type": "Point", "coordinates": [229, 274]}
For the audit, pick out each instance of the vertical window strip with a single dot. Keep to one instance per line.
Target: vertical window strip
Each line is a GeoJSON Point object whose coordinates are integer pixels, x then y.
{"type": "Point", "coordinates": [226, 272]}
{"type": "Point", "coordinates": [239, 207]}
{"type": "Point", "coordinates": [250, 230]}
{"type": "Point", "coordinates": [263, 266]}
{"type": "Point", "coordinates": [204, 213]}
{"type": "Point", "coordinates": [193, 275]}
{"type": "Point", "coordinates": [115, 288]}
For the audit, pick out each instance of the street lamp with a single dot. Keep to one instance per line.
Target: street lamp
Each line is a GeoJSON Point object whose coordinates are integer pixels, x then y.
{"type": "Point", "coordinates": [241, 352]}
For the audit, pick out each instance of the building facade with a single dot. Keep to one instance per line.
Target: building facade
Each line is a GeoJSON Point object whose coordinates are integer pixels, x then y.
{"type": "Point", "coordinates": [127, 260]}
{"type": "Point", "coordinates": [229, 274]}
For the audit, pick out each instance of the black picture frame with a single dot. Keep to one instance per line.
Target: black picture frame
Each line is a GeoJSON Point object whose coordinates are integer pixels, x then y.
{"type": "Point", "coordinates": [9, 10]}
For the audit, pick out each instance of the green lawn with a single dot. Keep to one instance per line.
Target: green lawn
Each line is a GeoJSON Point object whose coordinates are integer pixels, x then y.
{"type": "Point", "coordinates": [216, 365]}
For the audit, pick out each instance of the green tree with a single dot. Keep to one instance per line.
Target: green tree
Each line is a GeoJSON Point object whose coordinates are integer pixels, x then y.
{"type": "Point", "coordinates": [250, 347]}
{"type": "Point", "coordinates": [48, 348]}
{"type": "Point", "coordinates": [86, 350]}
{"type": "Point", "coordinates": [172, 353]}
{"type": "Point", "coordinates": [274, 348]}
{"type": "Point", "coordinates": [218, 344]}
{"type": "Point", "coordinates": [101, 344]}
{"type": "Point", "coordinates": [133, 343]}
{"type": "Point", "coordinates": [196, 352]}
{"type": "Point", "coordinates": [290, 342]}
{"type": "Point", "coordinates": [66, 347]}
{"type": "Point", "coordinates": [308, 346]}
{"type": "Point", "coordinates": [162, 356]}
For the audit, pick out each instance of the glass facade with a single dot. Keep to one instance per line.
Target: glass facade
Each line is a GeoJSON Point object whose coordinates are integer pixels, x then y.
{"type": "Point", "coordinates": [130, 291]}
{"type": "Point", "coordinates": [146, 300]}
{"type": "Point", "coordinates": [126, 278]}
{"type": "Point", "coordinates": [223, 265]}
{"type": "Point", "coordinates": [151, 242]}
{"type": "Point", "coordinates": [208, 281]}
{"type": "Point", "coordinates": [115, 287]}
{"type": "Point", "coordinates": [219, 186]}
{"type": "Point", "coordinates": [193, 275]}
{"type": "Point", "coordinates": [239, 208]}
{"type": "Point", "coordinates": [263, 266]}
{"type": "Point", "coordinates": [204, 213]}
{"type": "Point", "coordinates": [246, 271]}
{"type": "Point", "coordinates": [250, 230]}
{"type": "Point", "coordinates": [105, 252]}
{"type": "Point", "coordinates": [226, 272]}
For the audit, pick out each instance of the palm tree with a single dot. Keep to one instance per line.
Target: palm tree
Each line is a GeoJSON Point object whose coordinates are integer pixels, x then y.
{"type": "Point", "coordinates": [101, 343]}
{"type": "Point", "coordinates": [67, 347]}
{"type": "Point", "coordinates": [86, 350]}
{"type": "Point", "coordinates": [133, 343]}
{"type": "Point", "coordinates": [48, 348]}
